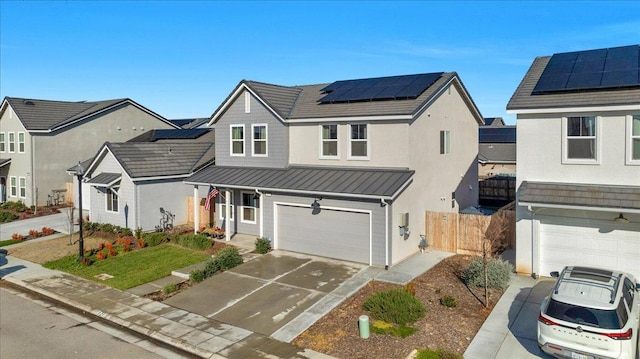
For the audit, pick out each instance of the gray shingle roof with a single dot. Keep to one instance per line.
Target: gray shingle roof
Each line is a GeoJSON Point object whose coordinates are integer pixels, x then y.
{"type": "Point", "coordinates": [497, 152]}
{"type": "Point", "coordinates": [612, 198]}
{"type": "Point", "coordinates": [158, 159]}
{"type": "Point", "coordinates": [361, 182]}
{"type": "Point", "coordinates": [524, 99]}
{"type": "Point", "coordinates": [4, 161]}
{"type": "Point", "coordinates": [105, 179]}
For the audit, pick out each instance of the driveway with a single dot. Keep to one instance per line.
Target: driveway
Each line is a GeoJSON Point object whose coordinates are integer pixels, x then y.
{"type": "Point", "coordinates": [270, 291]}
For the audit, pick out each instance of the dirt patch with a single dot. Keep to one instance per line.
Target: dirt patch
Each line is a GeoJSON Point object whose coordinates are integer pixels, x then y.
{"type": "Point", "coordinates": [450, 329]}
{"type": "Point", "coordinates": [50, 249]}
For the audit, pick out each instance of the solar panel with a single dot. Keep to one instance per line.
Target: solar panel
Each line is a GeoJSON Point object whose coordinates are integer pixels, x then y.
{"type": "Point", "coordinates": [381, 88]}
{"type": "Point", "coordinates": [590, 70]}
{"type": "Point", "coordinates": [497, 135]}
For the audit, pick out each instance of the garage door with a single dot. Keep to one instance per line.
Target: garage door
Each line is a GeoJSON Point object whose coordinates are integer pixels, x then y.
{"type": "Point", "coordinates": [330, 233]}
{"type": "Point", "coordinates": [571, 241]}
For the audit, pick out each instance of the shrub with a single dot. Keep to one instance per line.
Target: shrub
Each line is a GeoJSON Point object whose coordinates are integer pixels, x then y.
{"type": "Point", "coordinates": [101, 246]}
{"type": "Point", "coordinates": [411, 288]}
{"type": "Point", "coordinates": [211, 267]}
{"type": "Point", "coordinates": [34, 233]}
{"type": "Point", "coordinates": [498, 273]}
{"type": "Point", "coordinates": [449, 301]}
{"type": "Point", "coordinates": [437, 354]}
{"type": "Point", "coordinates": [263, 245]}
{"type": "Point", "coordinates": [7, 217]}
{"type": "Point", "coordinates": [15, 206]}
{"type": "Point", "coordinates": [112, 252]}
{"type": "Point", "coordinates": [394, 306]}
{"type": "Point", "coordinates": [138, 233]}
{"type": "Point", "coordinates": [197, 276]}
{"type": "Point", "coordinates": [48, 231]}
{"type": "Point", "coordinates": [141, 243]}
{"type": "Point", "coordinates": [154, 239]}
{"type": "Point", "coordinates": [125, 232]}
{"type": "Point", "coordinates": [228, 257]}
{"type": "Point", "coordinates": [100, 256]}
{"type": "Point", "coordinates": [194, 241]}
{"type": "Point", "coordinates": [17, 237]}
{"type": "Point", "coordinates": [169, 288]}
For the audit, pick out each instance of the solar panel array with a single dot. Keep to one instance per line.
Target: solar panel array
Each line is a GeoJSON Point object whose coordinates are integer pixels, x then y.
{"type": "Point", "coordinates": [177, 134]}
{"type": "Point", "coordinates": [380, 88]}
{"type": "Point", "coordinates": [616, 67]}
{"type": "Point", "coordinates": [505, 134]}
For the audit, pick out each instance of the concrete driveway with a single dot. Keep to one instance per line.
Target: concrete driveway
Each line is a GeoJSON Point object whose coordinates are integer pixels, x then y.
{"type": "Point", "coordinates": [268, 292]}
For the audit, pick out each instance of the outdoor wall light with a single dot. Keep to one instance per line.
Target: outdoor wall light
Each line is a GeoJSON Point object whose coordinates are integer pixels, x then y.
{"type": "Point", "coordinates": [316, 205]}
{"type": "Point", "coordinates": [621, 219]}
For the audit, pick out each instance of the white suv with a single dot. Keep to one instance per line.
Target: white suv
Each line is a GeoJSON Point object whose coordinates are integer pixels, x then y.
{"type": "Point", "coordinates": [590, 314]}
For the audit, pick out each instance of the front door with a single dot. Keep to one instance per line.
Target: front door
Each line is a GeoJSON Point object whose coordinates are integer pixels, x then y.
{"type": "Point", "coordinates": [3, 189]}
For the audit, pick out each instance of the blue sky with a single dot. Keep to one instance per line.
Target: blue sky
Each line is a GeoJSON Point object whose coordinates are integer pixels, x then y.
{"type": "Point", "coordinates": [182, 59]}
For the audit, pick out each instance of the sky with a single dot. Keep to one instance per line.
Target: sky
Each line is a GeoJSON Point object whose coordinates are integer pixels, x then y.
{"type": "Point", "coordinates": [181, 59]}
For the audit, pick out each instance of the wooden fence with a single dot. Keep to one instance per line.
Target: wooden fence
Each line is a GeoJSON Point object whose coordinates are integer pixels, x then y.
{"type": "Point", "coordinates": [464, 233]}
{"type": "Point", "coordinates": [207, 218]}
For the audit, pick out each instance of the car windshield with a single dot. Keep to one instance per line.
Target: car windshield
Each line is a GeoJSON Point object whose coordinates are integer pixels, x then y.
{"type": "Point", "coordinates": [600, 318]}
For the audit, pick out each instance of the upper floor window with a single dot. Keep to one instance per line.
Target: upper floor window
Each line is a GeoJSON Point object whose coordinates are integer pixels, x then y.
{"type": "Point", "coordinates": [237, 140]}
{"type": "Point", "coordinates": [12, 142]}
{"type": "Point", "coordinates": [112, 200]}
{"type": "Point", "coordinates": [248, 207]}
{"type": "Point", "coordinates": [13, 186]}
{"type": "Point", "coordinates": [445, 142]}
{"type": "Point", "coordinates": [330, 141]}
{"type": "Point", "coordinates": [23, 187]}
{"type": "Point", "coordinates": [259, 143]}
{"type": "Point", "coordinates": [358, 146]}
{"type": "Point", "coordinates": [633, 142]}
{"type": "Point", "coordinates": [580, 138]}
{"type": "Point", "coordinates": [20, 142]}
{"type": "Point", "coordinates": [2, 143]}
{"type": "Point", "coordinates": [247, 102]}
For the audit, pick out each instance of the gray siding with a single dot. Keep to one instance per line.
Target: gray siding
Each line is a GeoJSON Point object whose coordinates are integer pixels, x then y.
{"type": "Point", "coordinates": [98, 212]}
{"type": "Point", "coordinates": [277, 136]}
{"type": "Point", "coordinates": [170, 195]}
{"type": "Point", "coordinates": [237, 225]}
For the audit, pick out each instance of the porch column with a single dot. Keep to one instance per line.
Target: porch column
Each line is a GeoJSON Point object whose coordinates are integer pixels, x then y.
{"type": "Point", "coordinates": [196, 210]}
{"type": "Point", "coordinates": [227, 222]}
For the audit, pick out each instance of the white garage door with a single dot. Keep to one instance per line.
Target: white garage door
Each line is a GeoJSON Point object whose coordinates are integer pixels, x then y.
{"type": "Point", "coordinates": [571, 241]}
{"type": "Point", "coordinates": [330, 233]}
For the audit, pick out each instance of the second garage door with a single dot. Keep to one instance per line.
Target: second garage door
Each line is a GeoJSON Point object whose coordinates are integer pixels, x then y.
{"type": "Point", "coordinates": [330, 233]}
{"type": "Point", "coordinates": [572, 241]}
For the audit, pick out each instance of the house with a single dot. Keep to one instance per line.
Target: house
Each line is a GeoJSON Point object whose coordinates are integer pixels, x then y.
{"type": "Point", "coordinates": [578, 175]}
{"type": "Point", "coordinates": [132, 184]}
{"type": "Point", "coordinates": [39, 138]}
{"type": "Point", "coordinates": [343, 170]}
{"type": "Point", "coordinates": [496, 163]}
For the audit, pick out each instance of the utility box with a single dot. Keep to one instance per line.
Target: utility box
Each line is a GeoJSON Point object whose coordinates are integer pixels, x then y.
{"type": "Point", "coordinates": [404, 220]}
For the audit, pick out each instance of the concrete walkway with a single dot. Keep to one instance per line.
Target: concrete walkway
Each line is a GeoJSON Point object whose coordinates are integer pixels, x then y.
{"type": "Point", "coordinates": [59, 222]}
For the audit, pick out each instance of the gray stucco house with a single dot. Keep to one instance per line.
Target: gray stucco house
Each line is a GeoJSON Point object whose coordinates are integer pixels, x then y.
{"type": "Point", "coordinates": [40, 138]}
{"type": "Point", "coordinates": [344, 170]}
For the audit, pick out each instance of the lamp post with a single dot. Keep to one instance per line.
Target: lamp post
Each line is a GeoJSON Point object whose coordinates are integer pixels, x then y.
{"type": "Point", "coordinates": [79, 172]}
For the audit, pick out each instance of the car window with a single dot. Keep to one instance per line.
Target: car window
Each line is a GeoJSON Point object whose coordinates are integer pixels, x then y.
{"type": "Point", "coordinates": [606, 319]}
{"type": "Point", "coordinates": [628, 290]}
{"type": "Point", "coordinates": [623, 315]}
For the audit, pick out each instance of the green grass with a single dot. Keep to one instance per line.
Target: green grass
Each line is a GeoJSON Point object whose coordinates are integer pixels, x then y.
{"type": "Point", "coordinates": [132, 268]}
{"type": "Point", "coordinates": [8, 242]}
{"type": "Point", "coordinates": [400, 331]}
{"type": "Point", "coordinates": [437, 354]}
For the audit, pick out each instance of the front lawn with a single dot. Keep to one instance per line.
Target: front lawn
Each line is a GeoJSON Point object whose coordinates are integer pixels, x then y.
{"type": "Point", "coordinates": [130, 269]}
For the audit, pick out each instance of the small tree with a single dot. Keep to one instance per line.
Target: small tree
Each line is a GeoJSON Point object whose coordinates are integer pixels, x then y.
{"type": "Point", "coordinates": [493, 239]}
{"type": "Point", "coordinates": [70, 224]}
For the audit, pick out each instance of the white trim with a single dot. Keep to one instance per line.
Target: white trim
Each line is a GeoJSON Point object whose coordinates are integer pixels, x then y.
{"type": "Point", "coordinates": [3, 142]}
{"type": "Point", "coordinates": [322, 140]}
{"type": "Point", "coordinates": [579, 208]}
{"type": "Point", "coordinates": [21, 187]}
{"type": "Point", "coordinates": [242, 207]}
{"type": "Point", "coordinates": [106, 202]}
{"type": "Point", "coordinates": [12, 186]}
{"type": "Point", "coordinates": [352, 119]}
{"type": "Point", "coordinates": [227, 198]}
{"type": "Point", "coordinates": [332, 208]}
{"type": "Point", "coordinates": [597, 142]}
{"type": "Point", "coordinates": [11, 142]}
{"type": "Point", "coordinates": [350, 156]}
{"type": "Point", "coordinates": [23, 143]}
{"type": "Point", "coordinates": [244, 137]}
{"type": "Point", "coordinates": [155, 178]}
{"type": "Point", "coordinates": [266, 140]}
{"type": "Point", "coordinates": [629, 140]}
{"type": "Point", "coordinates": [445, 142]}
{"type": "Point", "coordinates": [196, 210]}
{"type": "Point", "coordinates": [232, 98]}
{"type": "Point", "coordinates": [247, 102]}
{"type": "Point", "coordinates": [575, 109]}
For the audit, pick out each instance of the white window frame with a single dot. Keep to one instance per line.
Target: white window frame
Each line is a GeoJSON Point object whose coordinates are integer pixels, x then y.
{"type": "Point", "coordinates": [326, 140]}
{"type": "Point", "coordinates": [22, 187]}
{"type": "Point", "coordinates": [12, 142]}
{"type": "Point", "coordinates": [265, 140]}
{"type": "Point", "coordinates": [445, 142]}
{"type": "Point", "coordinates": [247, 102]}
{"type": "Point", "coordinates": [231, 140]}
{"type": "Point", "coordinates": [243, 207]}
{"type": "Point", "coordinates": [13, 186]}
{"type": "Point", "coordinates": [3, 144]}
{"type": "Point", "coordinates": [352, 140]}
{"type": "Point", "coordinates": [222, 205]}
{"type": "Point", "coordinates": [630, 138]}
{"type": "Point", "coordinates": [110, 194]}
{"type": "Point", "coordinates": [21, 142]}
{"type": "Point", "coordinates": [566, 138]}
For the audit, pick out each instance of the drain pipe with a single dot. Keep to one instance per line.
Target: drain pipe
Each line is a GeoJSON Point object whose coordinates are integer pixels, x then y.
{"type": "Point", "coordinates": [261, 197]}
{"type": "Point", "coordinates": [384, 204]}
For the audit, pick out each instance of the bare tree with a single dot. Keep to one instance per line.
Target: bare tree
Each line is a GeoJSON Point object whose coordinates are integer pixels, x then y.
{"type": "Point", "coordinates": [493, 241]}
{"type": "Point", "coordinates": [70, 224]}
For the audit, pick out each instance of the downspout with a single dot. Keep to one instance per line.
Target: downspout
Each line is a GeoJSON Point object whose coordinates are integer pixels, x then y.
{"type": "Point", "coordinates": [260, 196]}
{"type": "Point", "coordinates": [535, 250]}
{"type": "Point", "coordinates": [196, 210]}
{"type": "Point", "coordinates": [386, 232]}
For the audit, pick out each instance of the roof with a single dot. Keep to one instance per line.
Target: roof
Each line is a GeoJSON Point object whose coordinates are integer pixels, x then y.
{"type": "Point", "coordinates": [46, 115]}
{"type": "Point", "coordinates": [497, 152]}
{"type": "Point", "coordinates": [172, 134]}
{"type": "Point", "coordinates": [4, 161]}
{"type": "Point", "coordinates": [523, 98]}
{"type": "Point", "coordinates": [505, 134]}
{"type": "Point", "coordinates": [297, 103]}
{"type": "Point", "coordinates": [351, 182]}
{"type": "Point", "coordinates": [105, 179]}
{"type": "Point", "coordinates": [563, 195]}
{"type": "Point", "coordinates": [494, 121]}
{"type": "Point", "coordinates": [190, 122]}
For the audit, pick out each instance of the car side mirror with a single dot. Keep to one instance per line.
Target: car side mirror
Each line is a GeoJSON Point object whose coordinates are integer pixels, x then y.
{"type": "Point", "coordinates": [555, 274]}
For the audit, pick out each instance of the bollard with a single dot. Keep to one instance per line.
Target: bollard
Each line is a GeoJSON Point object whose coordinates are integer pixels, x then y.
{"type": "Point", "coordinates": [363, 323]}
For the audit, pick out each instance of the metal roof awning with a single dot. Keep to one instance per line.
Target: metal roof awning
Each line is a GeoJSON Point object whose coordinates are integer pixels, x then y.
{"type": "Point", "coordinates": [589, 197]}
{"type": "Point", "coordinates": [347, 182]}
{"type": "Point", "coordinates": [4, 162]}
{"type": "Point", "coordinates": [105, 179]}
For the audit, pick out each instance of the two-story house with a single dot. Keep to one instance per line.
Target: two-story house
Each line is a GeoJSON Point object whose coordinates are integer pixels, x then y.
{"type": "Point", "coordinates": [343, 170]}
{"type": "Point", "coordinates": [40, 138]}
{"type": "Point", "coordinates": [578, 175]}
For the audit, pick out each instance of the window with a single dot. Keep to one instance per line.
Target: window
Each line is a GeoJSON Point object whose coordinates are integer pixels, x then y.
{"type": "Point", "coordinates": [247, 102]}
{"type": "Point", "coordinates": [581, 138]}
{"type": "Point", "coordinates": [12, 142]}
{"type": "Point", "coordinates": [223, 207]}
{"type": "Point", "coordinates": [13, 183]}
{"type": "Point", "coordinates": [237, 140]}
{"type": "Point", "coordinates": [248, 207]}
{"type": "Point", "coordinates": [633, 147]}
{"type": "Point", "coordinates": [445, 142]}
{"type": "Point", "coordinates": [259, 144]}
{"type": "Point", "coordinates": [330, 141]}
{"type": "Point", "coordinates": [20, 142]}
{"type": "Point", "coordinates": [359, 143]}
{"type": "Point", "coordinates": [23, 187]}
{"type": "Point", "coordinates": [112, 200]}
{"type": "Point", "coordinates": [3, 149]}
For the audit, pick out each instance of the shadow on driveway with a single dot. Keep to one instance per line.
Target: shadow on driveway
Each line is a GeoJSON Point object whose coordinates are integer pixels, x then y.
{"type": "Point", "coordinates": [523, 318]}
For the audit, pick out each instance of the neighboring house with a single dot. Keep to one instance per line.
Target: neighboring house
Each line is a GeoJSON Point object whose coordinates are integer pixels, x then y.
{"type": "Point", "coordinates": [39, 138]}
{"type": "Point", "coordinates": [578, 176]}
{"type": "Point", "coordinates": [129, 182]}
{"type": "Point", "coordinates": [343, 170]}
{"type": "Point", "coordinates": [494, 122]}
{"type": "Point", "coordinates": [191, 122]}
{"type": "Point", "coordinates": [496, 149]}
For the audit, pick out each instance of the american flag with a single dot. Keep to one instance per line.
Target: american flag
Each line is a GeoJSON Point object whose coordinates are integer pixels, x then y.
{"type": "Point", "coordinates": [213, 192]}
